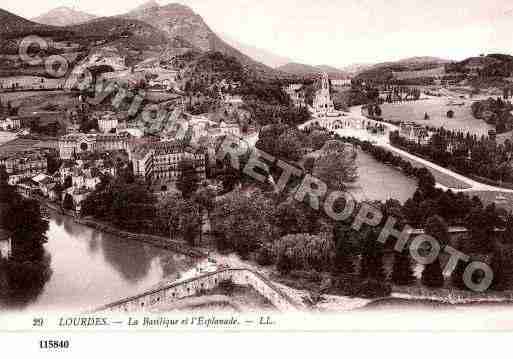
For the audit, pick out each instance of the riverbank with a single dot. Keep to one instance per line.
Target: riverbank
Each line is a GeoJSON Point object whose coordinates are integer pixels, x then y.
{"type": "Point", "coordinates": [157, 241]}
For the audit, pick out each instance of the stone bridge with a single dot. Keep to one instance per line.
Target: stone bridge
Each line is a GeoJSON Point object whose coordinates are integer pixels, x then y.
{"type": "Point", "coordinates": [173, 292]}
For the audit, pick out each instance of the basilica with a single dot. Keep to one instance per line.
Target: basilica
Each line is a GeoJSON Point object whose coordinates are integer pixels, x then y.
{"type": "Point", "coordinates": [322, 103]}
{"type": "Point", "coordinates": [75, 143]}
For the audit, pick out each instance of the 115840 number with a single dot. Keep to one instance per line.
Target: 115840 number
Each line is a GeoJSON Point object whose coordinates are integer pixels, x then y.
{"type": "Point", "coordinates": [54, 344]}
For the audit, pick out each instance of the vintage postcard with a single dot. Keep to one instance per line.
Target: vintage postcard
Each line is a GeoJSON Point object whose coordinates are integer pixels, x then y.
{"type": "Point", "coordinates": [255, 166]}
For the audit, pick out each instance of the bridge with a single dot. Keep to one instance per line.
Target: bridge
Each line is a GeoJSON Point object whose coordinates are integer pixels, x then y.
{"type": "Point", "coordinates": [345, 120]}
{"type": "Point", "coordinates": [156, 298]}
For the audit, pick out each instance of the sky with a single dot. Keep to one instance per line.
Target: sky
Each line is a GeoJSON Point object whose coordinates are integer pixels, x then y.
{"type": "Point", "coordinates": [337, 32]}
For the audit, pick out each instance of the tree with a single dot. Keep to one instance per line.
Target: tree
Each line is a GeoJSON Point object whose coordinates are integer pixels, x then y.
{"type": "Point", "coordinates": [189, 221]}
{"type": "Point", "coordinates": [457, 275]}
{"type": "Point", "coordinates": [371, 265]}
{"type": "Point", "coordinates": [205, 198]}
{"type": "Point", "coordinates": [336, 165]}
{"type": "Point", "coordinates": [243, 222]}
{"type": "Point", "coordinates": [502, 269]}
{"type": "Point", "coordinates": [22, 218]}
{"type": "Point", "coordinates": [437, 228]}
{"type": "Point", "coordinates": [450, 114]}
{"type": "Point", "coordinates": [481, 226]}
{"type": "Point", "coordinates": [188, 179]}
{"type": "Point", "coordinates": [67, 203]}
{"type": "Point", "coordinates": [426, 180]}
{"type": "Point", "coordinates": [402, 271]}
{"type": "Point", "coordinates": [344, 258]}
{"type": "Point", "coordinates": [67, 182]}
{"type": "Point", "coordinates": [284, 263]}
{"type": "Point", "coordinates": [291, 218]}
{"type": "Point", "coordinates": [432, 275]}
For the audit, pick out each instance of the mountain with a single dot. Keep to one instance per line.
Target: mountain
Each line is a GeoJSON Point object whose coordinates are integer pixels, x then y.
{"type": "Point", "coordinates": [355, 69]}
{"type": "Point", "coordinates": [181, 22]}
{"type": "Point", "coordinates": [264, 56]}
{"type": "Point", "coordinates": [12, 25]}
{"type": "Point", "coordinates": [149, 31]}
{"type": "Point", "coordinates": [146, 6]}
{"type": "Point", "coordinates": [63, 16]}
{"type": "Point", "coordinates": [303, 70]}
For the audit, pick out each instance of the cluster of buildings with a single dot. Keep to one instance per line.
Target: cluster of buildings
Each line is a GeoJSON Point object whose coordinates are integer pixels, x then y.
{"type": "Point", "coordinates": [74, 179]}
{"type": "Point", "coordinates": [201, 126]}
{"type": "Point", "coordinates": [23, 165]}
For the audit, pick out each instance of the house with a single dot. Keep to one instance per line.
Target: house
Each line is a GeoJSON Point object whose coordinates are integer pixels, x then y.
{"type": "Point", "coordinates": [414, 132]}
{"type": "Point", "coordinates": [43, 181]}
{"type": "Point", "coordinates": [297, 94]}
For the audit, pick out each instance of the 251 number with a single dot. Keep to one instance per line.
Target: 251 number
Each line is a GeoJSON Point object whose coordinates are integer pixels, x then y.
{"type": "Point", "coordinates": [54, 344]}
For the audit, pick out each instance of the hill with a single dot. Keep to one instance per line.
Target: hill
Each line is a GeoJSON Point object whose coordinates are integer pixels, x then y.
{"type": "Point", "coordinates": [387, 71]}
{"type": "Point", "coordinates": [302, 70]}
{"type": "Point", "coordinates": [63, 16]}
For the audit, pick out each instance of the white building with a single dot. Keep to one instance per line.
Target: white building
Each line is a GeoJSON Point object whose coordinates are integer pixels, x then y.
{"type": "Point", "coordinates": [341, 82]}
{"type": "Point", "coordinates": [230, 128]}
{"type": "Point", "coordinates": [107, 122]}
{"type": "Point", "coordinates": [158, 162]}
{"type": "Point", "coordinates": [75, 143]}
{"type": "Point", "coordinates": [10, 123]}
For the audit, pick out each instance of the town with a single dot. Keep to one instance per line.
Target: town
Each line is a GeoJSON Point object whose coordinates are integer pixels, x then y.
{"type": "Point", "coordinates": [188, 175]}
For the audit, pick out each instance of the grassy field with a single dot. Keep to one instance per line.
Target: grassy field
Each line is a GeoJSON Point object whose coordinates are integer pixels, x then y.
{"type": "Point", "coordinates": [437, 109]}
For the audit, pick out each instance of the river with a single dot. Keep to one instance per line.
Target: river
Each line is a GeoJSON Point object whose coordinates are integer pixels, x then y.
{"type": "Point", "coordinates": [90, 268]}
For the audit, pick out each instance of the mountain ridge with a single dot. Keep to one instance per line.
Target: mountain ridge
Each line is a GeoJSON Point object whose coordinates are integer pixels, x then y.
{"type": "Point", "coordinates": [63, 16]}
{"type": "Point", "coordinates": [303, 70]}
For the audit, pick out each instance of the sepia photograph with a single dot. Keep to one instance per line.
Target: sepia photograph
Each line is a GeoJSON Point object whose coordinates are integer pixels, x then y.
{"type": "Point", "coordinates": [238, 165]}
